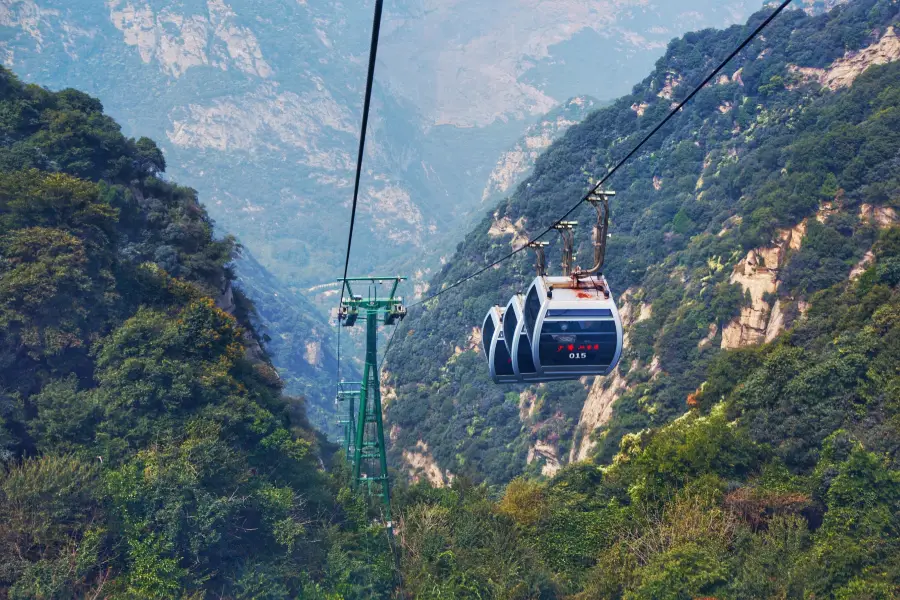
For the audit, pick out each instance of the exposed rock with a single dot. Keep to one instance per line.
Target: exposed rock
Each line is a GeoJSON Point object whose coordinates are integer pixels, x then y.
{"type": "Point", "coordinates": [657, 183]}
{"type": "Point", "coordinates": [631, 314]}
{"type": "Point", "coordinates": [388, 391]}
{"type": "Point", "coordinates": [844, 71]}
{"type": "Point", "coordinates": [668, 89]}
{"type": "Point", "coordinates": [394, 214]}
{"type": "Point", "coordinates": [862, 265]}
{"type": "Point", "coordinates": [793, 237]}
{"type": "Point", "coordinates": [528, 404]}
{"type": "Point", "coordinates": [250, 121]}
{"type": "Point", "coordinates": [710, 336]}
{"type": "Point", "coordinates": [506, 227]}
{"type": "Point", "coordinates": [776, 322]}
{"type": "Point", "coordinates": [756, 277]}
{"type": "Point", "coordinates": [758, 274]}
{"type": "Point", "coordinates": [645, 311]}
{"type": "Point", "coordinates": [313, 353]}
{"type": "Point", "coordinates": [514, 164]}
{"type": "Point", "coordinates": [549, 454]}
{"type": "Point", "coordinates": [225, 300]}
{"type": "Point", "coordinates": [422, 464]}
{"type": "Point", "coordinates": [596, 412]}
{"type": "Point", "coordinates": [181, 41]}
{"type": "Point", "coordinates": [804, 75]}
{"type": "Point", "coordinates": [814, 7]}
{"type": "Point", "coordinates": [725, 108]}
{"type": "Point", "coordinates": [880, 216]}
{"type": "Point", "coordinates": [474, 340]}
{"type": "Point", "coordinates": [639, 108]}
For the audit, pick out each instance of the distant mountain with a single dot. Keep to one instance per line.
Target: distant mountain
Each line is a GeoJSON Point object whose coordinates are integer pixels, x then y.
{"type": "Point", "coordinates": [772, 185]}
{"type": "Point", "coordinates": [514, 164]}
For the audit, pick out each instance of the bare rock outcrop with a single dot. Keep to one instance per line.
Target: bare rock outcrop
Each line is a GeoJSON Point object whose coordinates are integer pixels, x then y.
{"type": "Point", "coordinates": [504, 226]}
{"type": "Point", "coordinates": [880, 216]}
{"type": "Point", "coordinates": [528, 404]}
{"type": "Point", "coordinates": [844, 71]}
{"type": "Point", "coordinates": [313, 354]}
{"type": "Point", "coordinates": [548, 453]}
{"type": "Point", "coordinates": [596, 412]}
{"type": "Point", "coordinates": [672, 81]}
{"type": "Point", "coordinates": [422, 464]}
{"type": "Point", "coordinates": [757, 273]}
{"type": "Point", "coordinates": [180, 41]}
{"type": "Point", "coordinates": [225, 301]}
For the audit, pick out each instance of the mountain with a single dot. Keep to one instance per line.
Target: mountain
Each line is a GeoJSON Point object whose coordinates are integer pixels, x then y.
{"type": "Point", "coordinates": [771, 186]}
{"type": "Point", "coordinates": [752, 452]}
{"type": "Point", "coordinates": [146, 450]}
{"type": "Point", "coordinates": [748, 446]}
{"type": "Point", "coordinates": [257, 106]}
{"type": "Point", "coordinates": [517, 162]}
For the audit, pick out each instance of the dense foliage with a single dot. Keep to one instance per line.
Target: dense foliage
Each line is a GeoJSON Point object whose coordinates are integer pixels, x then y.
{"type": "Point", "coordinates": [769, 471]}
{"type": "Point", "coordinates": [783, 481]}
{"type": "Point", "coordinates": [146, 450]}
{"type": "Point", "coordinates": [760, 151]}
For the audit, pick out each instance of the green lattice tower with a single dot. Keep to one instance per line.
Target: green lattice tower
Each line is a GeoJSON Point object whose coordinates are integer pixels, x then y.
{"type": "Point", "coordinates": [369, 453]}
{"type": "Point", "coordinates": [348, 392]}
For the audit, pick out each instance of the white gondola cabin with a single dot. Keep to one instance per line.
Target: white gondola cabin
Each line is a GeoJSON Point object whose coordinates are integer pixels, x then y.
{"type": "Point", "coordinates": [518, 343]}
{"type": "Point", "coordinates": [494, 347]}
{"type": "Point", "coordinates": [575, 326]}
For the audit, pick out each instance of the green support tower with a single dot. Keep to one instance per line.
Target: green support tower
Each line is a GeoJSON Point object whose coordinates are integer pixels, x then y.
{"type": "Point", "coordinates": [369, 454]}
{"type": "Point", "coordinates": [348, 391]}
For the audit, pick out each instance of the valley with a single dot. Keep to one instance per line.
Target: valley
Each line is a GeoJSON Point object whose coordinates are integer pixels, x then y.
{"type": "Point", "coordinates": [258, 110]}
{"type": "Point", "coordinates": [162, 413]}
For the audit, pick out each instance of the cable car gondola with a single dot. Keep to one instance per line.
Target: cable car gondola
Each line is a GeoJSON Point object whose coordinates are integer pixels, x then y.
{"type": "Point", "coordinates": [492, 340]}
{"type": "Point", "coordinates": [518, 343]}
{"type": "Point", "coordinates": [570, 323]}
{"type": "Point", "coordinates": [575, 326]}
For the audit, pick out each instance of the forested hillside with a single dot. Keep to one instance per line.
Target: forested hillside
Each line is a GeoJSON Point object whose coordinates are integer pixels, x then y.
{"type": "Point", "coordinates": [772, 185]}
{"type": "Point", "coordinates": [146, 450]}
{"type": "Point", "coordinates": [749, 444]}
{"type": "Point", "coordinates": [782, 480]}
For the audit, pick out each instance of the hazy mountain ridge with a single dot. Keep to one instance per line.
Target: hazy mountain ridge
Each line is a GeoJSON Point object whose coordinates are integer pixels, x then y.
{"type": "Point", "coordinates": [516, 162]}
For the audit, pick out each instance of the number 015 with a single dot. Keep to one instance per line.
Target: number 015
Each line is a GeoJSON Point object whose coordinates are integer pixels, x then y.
{"type": "Point", "coordinates": [578, 355]}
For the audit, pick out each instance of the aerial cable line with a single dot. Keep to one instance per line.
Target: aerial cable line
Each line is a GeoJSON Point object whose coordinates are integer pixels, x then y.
{"type": "Point", "coordinates": [622, 162]}
{"type": "Point", "coordinates": [388, 347]}
{"type": "Point", "coordinates": [370, 79]}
